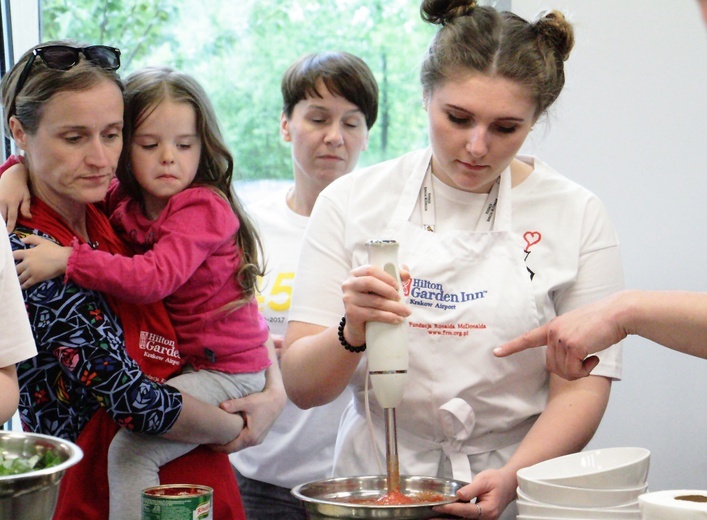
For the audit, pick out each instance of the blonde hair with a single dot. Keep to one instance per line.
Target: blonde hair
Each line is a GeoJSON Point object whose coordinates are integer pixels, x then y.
{"type": "Point", "coordinates": [43, 83]}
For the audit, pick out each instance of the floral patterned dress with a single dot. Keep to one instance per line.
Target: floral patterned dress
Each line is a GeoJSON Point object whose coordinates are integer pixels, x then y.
{"type": "Point", "coordinates": [82, 365]}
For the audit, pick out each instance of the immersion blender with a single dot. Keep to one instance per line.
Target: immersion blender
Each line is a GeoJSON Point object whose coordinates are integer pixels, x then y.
{"type": "Point", "coordinates": [387, 351]}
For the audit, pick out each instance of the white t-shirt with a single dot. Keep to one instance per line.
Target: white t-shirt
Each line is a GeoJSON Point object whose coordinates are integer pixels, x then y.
{"type": "Point", "coordinates": [16, 341]}
{"type": "Point", "coordinates": [300, 445]}
{"type": "Point", "coordinates": [578, 262]}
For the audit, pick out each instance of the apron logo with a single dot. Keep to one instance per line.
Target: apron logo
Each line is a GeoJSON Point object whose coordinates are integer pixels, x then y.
{"type": "Point", "coordinates": [406, 287]}
{"type": "Point", "coordinates": [425, 293]}
{"type": "Point", "coordinates": [159, 348]}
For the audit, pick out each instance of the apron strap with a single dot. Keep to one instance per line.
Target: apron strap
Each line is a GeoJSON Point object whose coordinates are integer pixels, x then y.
{"type": "Point", "coordinates": [497, 203]}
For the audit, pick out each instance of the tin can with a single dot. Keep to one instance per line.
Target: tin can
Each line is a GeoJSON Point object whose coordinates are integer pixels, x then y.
{"type": "Point", "coordinates": [177, 502]}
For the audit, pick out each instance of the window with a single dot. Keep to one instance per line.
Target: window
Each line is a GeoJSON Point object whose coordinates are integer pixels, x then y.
{"type": "Point", "coordinates": [239, 50]}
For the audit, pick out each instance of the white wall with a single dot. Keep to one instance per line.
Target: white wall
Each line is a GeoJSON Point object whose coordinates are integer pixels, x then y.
{"type": "Point", "coordinates": [631, 125]}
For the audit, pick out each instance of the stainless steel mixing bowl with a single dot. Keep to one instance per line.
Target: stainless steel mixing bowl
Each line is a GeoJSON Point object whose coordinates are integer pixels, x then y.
{"type": "Point", "coordinates": [33, 495]}
{"type": "Point", "coordinates": [326, 499]}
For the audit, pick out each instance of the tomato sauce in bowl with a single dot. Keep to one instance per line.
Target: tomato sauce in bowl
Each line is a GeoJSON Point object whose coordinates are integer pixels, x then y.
{"type": "Point", "coordinates": [397, 498]}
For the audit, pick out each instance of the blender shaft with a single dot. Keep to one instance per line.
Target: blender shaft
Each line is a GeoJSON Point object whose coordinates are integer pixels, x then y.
{"type": "Point", "coordinates": [391, 451]}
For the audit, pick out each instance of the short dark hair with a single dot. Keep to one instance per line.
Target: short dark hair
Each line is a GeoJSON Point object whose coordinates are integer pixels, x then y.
{"type": "Point", "coordinates": [342, 73]}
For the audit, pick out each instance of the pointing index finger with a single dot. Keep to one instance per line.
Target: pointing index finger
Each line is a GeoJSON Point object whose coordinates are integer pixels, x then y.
{"type": "Point", "coordinates": [531, 339]}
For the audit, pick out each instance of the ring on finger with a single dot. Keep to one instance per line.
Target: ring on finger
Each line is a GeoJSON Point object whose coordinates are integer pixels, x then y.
{"type": "Point", "coordinates": [479, 508]}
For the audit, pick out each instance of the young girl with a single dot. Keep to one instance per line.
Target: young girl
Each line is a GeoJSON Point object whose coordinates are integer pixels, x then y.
{"type": "Point", "coordinates": [197, 250]}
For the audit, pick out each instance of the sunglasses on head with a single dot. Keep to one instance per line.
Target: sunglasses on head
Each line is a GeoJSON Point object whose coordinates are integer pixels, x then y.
{"type": "Point", "coordinates": [64, 57]}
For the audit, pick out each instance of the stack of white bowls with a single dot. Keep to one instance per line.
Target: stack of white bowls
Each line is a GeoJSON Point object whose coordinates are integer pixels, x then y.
{"type": "Point", "coordinates": [592, 485]}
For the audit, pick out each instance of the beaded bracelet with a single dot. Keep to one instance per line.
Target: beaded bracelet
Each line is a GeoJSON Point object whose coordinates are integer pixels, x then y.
{"type": "Point", "coordinates": [345, 343]}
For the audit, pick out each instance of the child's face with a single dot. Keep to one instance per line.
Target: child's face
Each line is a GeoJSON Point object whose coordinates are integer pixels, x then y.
{"type": "Point", "coordinates": [165, 153]}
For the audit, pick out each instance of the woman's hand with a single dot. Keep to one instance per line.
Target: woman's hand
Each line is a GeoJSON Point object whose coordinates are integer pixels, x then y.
{"type": "Point", "coordinates": [202, 423]}
{"type": "Point", "coordinates": [493, 489]}
{"type": "Point", "coordinates": [573, 338]}
{"type": "Point", "coordinates": [44, 261]}
{"type": "Point", "coordinates": [316, 367]}
{"type": "Point", "coordinates": [260, 410]}
{"type": "Point", "coordinates": [278, 341]}
{"type": "Point", "coordinates": [371, 294]}
{"type": "Point", "coordinates": [14, 194]}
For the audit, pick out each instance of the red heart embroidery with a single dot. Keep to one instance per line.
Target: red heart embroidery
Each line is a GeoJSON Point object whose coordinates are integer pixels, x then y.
{"type": "Point", "coordinates": [531, 238]}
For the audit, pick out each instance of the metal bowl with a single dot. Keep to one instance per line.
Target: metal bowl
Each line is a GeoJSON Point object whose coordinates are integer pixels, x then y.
{"type": "Point", "coordinates": [326, 499]}
{"type": "Point", "coordinates": [33, 495]}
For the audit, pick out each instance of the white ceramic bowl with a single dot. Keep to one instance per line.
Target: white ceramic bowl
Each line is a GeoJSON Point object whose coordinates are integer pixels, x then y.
{"type": "Point", "coordinates": [526, 507]}
{"type": "Point", "coordinates": [629, 506]}
{"type": "Point", "coordinates": [578, 497]}
{"type": "Point", "coordinates": [606, 468]}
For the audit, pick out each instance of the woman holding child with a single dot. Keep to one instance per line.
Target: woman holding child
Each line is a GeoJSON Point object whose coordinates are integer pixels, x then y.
{"type": "Point", "coordinates": [101, 360]}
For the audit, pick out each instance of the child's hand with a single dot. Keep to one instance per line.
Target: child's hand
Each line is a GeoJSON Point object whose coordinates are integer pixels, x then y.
{"type": "Point", "coordinates": [42, 262]}
{"type": "Point", "coordinates": [14, 194]}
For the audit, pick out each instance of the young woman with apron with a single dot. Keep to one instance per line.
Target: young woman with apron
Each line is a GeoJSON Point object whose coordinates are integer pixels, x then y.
{"type": "Point", "coordinates": [494, 244]}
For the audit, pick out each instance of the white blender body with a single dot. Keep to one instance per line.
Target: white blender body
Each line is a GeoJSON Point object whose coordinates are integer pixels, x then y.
{"type": "Point", "coordinates": [387, 344]}
{"type": "Point", "coordinates": [387, 347]}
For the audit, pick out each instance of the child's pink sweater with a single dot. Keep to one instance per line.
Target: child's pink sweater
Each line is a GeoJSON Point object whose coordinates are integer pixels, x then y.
{"type": "Point", "coordinates": [188, 258]}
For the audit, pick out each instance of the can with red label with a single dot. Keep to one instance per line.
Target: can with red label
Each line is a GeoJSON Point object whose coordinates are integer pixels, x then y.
{"type": "Point", "coordinates": [177, 502]}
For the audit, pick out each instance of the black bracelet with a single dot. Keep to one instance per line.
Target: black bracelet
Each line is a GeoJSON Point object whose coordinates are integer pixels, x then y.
{"type": "Point", "coordinates": [345, 343]}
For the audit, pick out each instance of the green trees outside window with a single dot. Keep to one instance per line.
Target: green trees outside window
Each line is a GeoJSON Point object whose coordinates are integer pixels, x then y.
{"type": "Point", "coordinates": [238, 49]}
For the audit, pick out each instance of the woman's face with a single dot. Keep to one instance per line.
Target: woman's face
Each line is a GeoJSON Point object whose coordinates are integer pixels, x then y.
{"type": "Point", "coordinates": [74, 153]}
{"type": "Point", "coordinates": [477, 125]}
{"type": "Point", "coordinates": [327, 134]}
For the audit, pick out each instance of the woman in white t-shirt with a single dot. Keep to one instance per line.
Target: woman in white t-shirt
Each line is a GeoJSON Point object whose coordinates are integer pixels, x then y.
{"type": "Point", "coordinates": [330, 102]}
{"type": "Point", "coordinates": [16, 340]}
{"type": "Point", "coordinates": [495, 243]}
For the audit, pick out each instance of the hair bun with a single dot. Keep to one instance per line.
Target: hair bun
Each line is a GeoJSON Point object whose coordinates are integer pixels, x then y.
{"type": "Point", "coordinates": [441, 12]}
{"type": "Point", "coordinates": [557, 32]}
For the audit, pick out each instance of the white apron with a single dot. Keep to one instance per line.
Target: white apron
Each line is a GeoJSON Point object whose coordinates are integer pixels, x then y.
{"type": "Point", "coordinates": [463, 409]}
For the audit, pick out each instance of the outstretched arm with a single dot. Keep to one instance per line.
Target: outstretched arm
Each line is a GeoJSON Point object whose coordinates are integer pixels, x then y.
{"type": "Point", "coordinates": [675, 319]}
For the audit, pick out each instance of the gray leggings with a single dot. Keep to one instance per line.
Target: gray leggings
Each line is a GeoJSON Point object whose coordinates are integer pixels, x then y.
{"type": "Point", "coordinates": [134, 459]}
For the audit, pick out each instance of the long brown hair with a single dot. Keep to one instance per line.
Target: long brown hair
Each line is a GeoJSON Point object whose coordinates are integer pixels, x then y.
{"type": "Point", "coordinates": [144, 90]}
